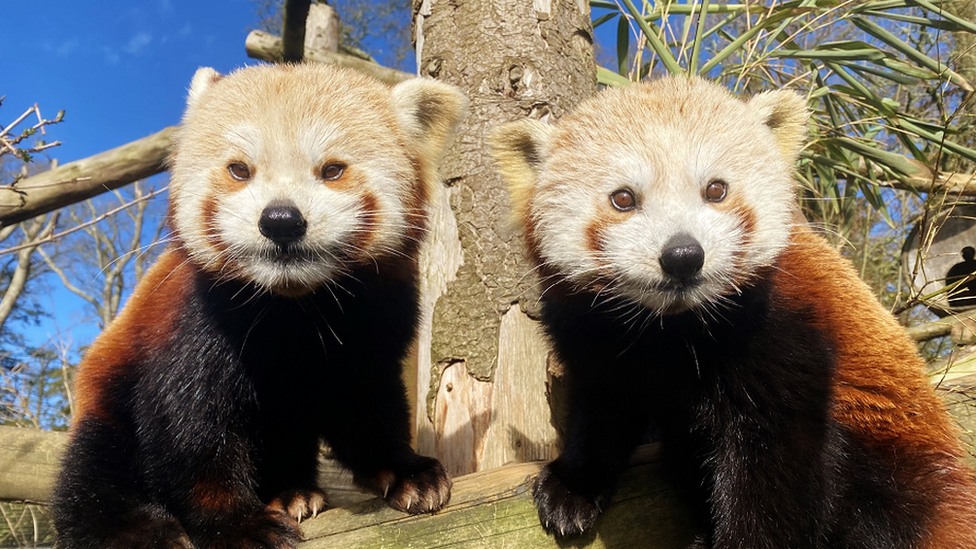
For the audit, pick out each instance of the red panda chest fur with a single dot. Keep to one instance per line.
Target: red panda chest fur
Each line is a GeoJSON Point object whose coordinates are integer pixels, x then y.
{"type": "Point", "coordinates": [681, 292]}
{"type": "Point", "coordinates": [277, 318]}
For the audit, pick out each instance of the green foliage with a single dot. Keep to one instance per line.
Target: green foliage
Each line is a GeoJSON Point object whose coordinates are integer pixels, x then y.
{"type": "Point", "coordinates": [851, 59]}
{"type": "Point", "coordinates": [884, 98]}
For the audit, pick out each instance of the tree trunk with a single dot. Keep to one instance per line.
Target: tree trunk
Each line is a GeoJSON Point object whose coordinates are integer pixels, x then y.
{"type": "Point", "coordinates": [482, 359]}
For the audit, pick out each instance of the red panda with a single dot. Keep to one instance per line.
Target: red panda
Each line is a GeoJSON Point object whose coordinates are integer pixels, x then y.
{"type": "Point", "coordinates": [680, 295]}
{"type": "Point", "coordinates": [277, 317]}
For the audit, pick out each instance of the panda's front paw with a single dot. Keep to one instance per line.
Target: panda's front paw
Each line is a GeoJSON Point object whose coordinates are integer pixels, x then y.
{"type": "Point", "coordinates": [562, 511]}
{"type": "Point", "coordinates": [421, 486]}
{"type": "Point", "coordinates": [300, 504]}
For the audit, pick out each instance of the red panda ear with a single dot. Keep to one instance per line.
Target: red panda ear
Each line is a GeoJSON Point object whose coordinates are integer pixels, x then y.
{"type": "Point", "coordinates": [429, 111]}
{"type": "Point", "coordinates": [202, 80]}
{"type": "Point", "coordinates": [786, 114]}
{"type": "Point", "coordinates": [519, 149]}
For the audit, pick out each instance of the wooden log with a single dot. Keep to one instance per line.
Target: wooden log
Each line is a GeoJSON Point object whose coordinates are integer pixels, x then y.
{"type": "Point", "coordinates": [294, 15]}
{"type": "Point", "coordinates": [83, 179]}
{"type": "Point", "coordinates": [491, 509]}
{"type": "Point", "coordinates": [494, 510]}
{"type": "Point", "coordinates": [29, 462]}
{"type": "Point", "coordinates": [267, 47]}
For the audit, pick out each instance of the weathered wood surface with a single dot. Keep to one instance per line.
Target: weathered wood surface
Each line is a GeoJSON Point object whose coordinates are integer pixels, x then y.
{"type": "Point", "coordinates": [268, 47]}
{"type": "Point", "coordinates": [83, 179]}
{"type": "Point", "coordinates": [490, 510]}
{"type": "Point", "coordinates": [29, 461]}
{"type": "Point", "coordinates": [494, 510]}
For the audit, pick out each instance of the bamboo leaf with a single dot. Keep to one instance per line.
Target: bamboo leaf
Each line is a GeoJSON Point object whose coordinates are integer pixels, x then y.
{"type": "Point", "coordinates": [940, 24]}
{"type": "Point", "coordinates": [623, 45]}
{"type": "Point", "coordinates": [607, 77]}
{"type": "Point", "coordinates": [603, 4]}
{"type": "Point", "coordinates": [699, 32]}
{"type": "Point", "coordinates": [882, 34]}
{"type": "Point", "coordinates": [604, 18]}
{"type": "Point", "coordinates": [896, 162]}
{"type": "Point", "coordinates": [653, 40]}
{"type": "Point", "coordinates": [887, 75]}
{"type": "Point", "coordinates": [860, 90]}
{"type": "Point", "coordinates": [968, 25]}
{"type": "Point", "coordinates": [737, 43]}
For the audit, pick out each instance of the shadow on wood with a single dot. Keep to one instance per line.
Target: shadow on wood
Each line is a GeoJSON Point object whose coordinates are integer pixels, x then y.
{"type": "Point", "coordinates": [491, 509]}
{"type": "Point", "coordinates": [494, 510]}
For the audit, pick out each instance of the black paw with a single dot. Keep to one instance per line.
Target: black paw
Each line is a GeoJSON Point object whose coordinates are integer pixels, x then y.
{"type": "Point", "coordinates": [299, 504]}
{"type": "Point", "coordinates": [423, 486]}
{"type": "Point", "coordinates": [263, 529]}
{"type": "Point", "coordinates": [561, 511]}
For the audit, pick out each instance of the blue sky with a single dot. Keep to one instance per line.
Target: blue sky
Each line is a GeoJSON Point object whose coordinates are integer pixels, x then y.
{"type": "Point", "coordinates": [120, 71]}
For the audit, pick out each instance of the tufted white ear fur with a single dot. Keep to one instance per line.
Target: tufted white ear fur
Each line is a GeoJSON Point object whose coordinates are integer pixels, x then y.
{"type": "Point", "coordinates": [519, 149]}
{"type": "Point", "coordinates": [786, 114]}
{"type": "Point", "coordinates": [429, 111]}
{"type": "Point", "coordinates": [202, 80]}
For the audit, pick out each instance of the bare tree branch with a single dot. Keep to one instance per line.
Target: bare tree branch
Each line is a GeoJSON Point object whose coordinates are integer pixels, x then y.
{"type": "Point", "coordinates": [37, 231]}
{"type": "Point", "coordinates": [83, 179]}
{"type": "Point", "coordinates": [267, 47]}
{"type": "Point", "coordinates": [105, 215]}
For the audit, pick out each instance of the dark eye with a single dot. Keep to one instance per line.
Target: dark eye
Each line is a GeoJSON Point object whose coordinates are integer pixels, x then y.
{"type": "Point", "coordinates": [716, 190]}
{"type": "Point", "coordinates": [333, 171]}
{"type": "Point", "coordinates": [239, 171]}
{"type": "Point", "coordinates": [623, 200]}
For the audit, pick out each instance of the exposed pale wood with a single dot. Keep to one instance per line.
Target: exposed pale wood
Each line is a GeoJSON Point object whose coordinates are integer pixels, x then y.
{"type": "Point", "coordinates": [930, 330]}
{"type": "Point", "coordinates": [489, 510]}
{"type": "Point", "coordinates": [960, 326]}
{"type": "Point", "coordinates": [322, 28]}
{"type": "Point", "coordinates": [29, 461]}
{"type": "Point", "coordinates": [462, 417]}
{"type": "Point", "coordinates": [943, 182]}
{"type": "Point", "coordinates": [83, 179]}
{"type": "Point", "coordinates": [494, 510]}
{"type": "Point", "coordinates": [520, 429]}
{"type": "Point", "coordinates": [267, 47]}
{"type": "Point", "coordinates": [440, 257]}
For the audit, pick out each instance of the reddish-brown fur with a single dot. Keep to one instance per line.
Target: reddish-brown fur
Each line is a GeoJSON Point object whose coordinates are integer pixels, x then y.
{"type": "Point", "coordinates": [148, 318]}
{"type": "Point", "coordinates": [881, 393]}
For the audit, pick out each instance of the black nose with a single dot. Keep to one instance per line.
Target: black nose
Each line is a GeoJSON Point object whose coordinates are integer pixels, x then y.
{"type": "Point", "coordinates": [282, 223]}
{"type": "Point", "coordinates": [682, 256]}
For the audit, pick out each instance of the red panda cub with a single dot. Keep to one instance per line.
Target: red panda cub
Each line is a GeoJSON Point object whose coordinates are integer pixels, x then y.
{"type": "Point", "coordinates": [681, 296]}
{"type": "Point", "coordinates": [277, 317]}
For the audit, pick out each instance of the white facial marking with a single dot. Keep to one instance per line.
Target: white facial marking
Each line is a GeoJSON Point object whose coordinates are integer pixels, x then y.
{"type": "Point", "coordinates": [666, 158]}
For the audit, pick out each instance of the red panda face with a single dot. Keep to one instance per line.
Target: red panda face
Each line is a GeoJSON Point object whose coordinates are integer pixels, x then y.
{"type": "Point", "coordinates": [672, 195]}
{"type": "Point", "coordinates": [290, 177]}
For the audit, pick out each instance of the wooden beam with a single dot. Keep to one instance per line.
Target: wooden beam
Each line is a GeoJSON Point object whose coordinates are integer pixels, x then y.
{"type": "Point", "coordinates": [488, 510]}
{"type": "Point", "coordinates": [83, 179]}
{"type": "Point", "coordinates": [29, 462]}
{"type": "Point", "coordinates": [494, 509]}
{"type": "Point", "coordinates": [294, 15]}
{"type": "Point", "coordinates": [268, 47]}
{"type": "Point", "coordinates": [951, 184]}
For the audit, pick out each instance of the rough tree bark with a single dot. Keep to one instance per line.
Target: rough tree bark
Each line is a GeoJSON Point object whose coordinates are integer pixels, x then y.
{"type": "Point", "coordinates": [482, 360]}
